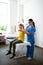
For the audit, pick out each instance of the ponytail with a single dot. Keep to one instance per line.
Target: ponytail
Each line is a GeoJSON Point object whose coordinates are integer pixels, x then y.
{"type": "Point", "coordinates": [33, 24]}
{"type": "Point", "coordinates": [32, 21]}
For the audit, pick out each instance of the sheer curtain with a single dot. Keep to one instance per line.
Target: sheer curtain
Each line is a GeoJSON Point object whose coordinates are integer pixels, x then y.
{"type": "Point", "coordinates": [4, 17]}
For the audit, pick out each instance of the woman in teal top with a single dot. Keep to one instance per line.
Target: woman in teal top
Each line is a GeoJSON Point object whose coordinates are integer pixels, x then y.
{"type": "Point", "coordinates": [30, 38]}
{"type": "Point", "coordinates": [30, 30]}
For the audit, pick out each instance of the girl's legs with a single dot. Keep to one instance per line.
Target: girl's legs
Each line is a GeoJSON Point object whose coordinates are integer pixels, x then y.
{"type": "Point", "coordinates": [14, 46]}
{"type": "Point", "coordinates": [10, 46]}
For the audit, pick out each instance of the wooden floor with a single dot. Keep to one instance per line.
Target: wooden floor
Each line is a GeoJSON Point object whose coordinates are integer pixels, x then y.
{"type": "Point", "coordinates": [4, 60]}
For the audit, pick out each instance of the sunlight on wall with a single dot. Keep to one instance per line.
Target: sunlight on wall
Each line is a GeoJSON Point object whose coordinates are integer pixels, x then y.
{"type": "Point", "coordinates": [34, 9]}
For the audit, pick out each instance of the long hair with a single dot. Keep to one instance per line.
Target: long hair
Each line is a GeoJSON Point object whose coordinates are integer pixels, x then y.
{"type": "Point", "coordinates": [33, 24]}
{"type": "Point", "coordinates": [31, 20]}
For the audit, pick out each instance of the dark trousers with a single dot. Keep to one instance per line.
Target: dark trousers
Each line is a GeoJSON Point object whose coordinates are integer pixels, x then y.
{"type": "Point", "coordinates": [13, 43]}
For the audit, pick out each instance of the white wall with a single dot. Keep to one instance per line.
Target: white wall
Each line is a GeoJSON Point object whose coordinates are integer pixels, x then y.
{"type": "Point", "coordinates": [20, 8]}
{"type": "Point", "coordinates": [13, 14]}
{"type": "Point", "coordinates": [34, 9]}
{"type": "Point", "coordinates": [5, 1]}
{"type": "Point", "coordinates": [16, 13]}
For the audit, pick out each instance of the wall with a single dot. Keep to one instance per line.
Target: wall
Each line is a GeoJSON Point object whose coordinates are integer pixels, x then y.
{"type": "Point", "coordinates": [16, 14]}
{"type": "Point", "coordinates": [34, 9]}
{"type": "Point", "coordinates": [13, 14]}
{"type": "Point", "coordinates": [20, 9]}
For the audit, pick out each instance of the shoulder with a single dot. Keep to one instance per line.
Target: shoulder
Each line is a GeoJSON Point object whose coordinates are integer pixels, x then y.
{"type": "Point", "coordinates": [27, 26]}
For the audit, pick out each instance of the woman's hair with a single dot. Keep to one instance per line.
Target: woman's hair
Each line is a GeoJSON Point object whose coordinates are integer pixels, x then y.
{"type": "Point", "coordinates": [31, 20]}
{"type": "Point", "coordinates": [21, 25]}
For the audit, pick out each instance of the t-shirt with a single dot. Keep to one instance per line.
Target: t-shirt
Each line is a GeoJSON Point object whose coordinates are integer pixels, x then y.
{"type": "Point", "coordinates": [21, 36]}
{"type": "Point", "coordinates": [30, 37]}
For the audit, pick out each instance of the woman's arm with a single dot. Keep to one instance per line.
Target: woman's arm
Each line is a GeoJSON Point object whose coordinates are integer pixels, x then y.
{"type": "Point", "coordinates": [26, 32]}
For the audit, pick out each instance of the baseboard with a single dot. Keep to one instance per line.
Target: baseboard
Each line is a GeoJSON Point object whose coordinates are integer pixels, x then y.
{"type": "Point", "coordinates": [38, 46]}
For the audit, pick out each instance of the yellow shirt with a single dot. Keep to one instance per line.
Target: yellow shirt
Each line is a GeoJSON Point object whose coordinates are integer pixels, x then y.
{"type": "Point", "coordinates": [21, 36]}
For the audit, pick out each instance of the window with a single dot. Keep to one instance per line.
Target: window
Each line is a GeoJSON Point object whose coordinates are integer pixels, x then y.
{"type": "Point", "coordinates": [4, 16]}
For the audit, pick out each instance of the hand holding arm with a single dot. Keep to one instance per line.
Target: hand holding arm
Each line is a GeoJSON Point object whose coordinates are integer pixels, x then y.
{"type": "Point", "coordinates": [26, 32]}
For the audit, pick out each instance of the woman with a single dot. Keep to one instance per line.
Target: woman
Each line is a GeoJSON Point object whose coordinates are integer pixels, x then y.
{"type": "Point", "coordinates": [20, 39]}
{"type": "Point", "coordinates": [30, 38]}
{"type": "Point", "coordinates": [30, 30]}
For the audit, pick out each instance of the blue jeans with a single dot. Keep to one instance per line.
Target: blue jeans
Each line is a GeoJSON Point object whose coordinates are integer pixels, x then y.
{"type": "Point", "coordinates": [30, 50]}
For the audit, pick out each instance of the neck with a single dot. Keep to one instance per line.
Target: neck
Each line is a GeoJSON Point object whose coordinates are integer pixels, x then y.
{"type": "Point", "coordinates": [31, 25]}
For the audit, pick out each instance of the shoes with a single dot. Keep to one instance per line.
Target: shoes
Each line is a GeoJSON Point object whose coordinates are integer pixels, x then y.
{"type": "Point", "coordinates": [9, 52]}
{"type": "Point", "coordinates": [12, 56]}
{"type": "Point", "coordinates": [29, 58]}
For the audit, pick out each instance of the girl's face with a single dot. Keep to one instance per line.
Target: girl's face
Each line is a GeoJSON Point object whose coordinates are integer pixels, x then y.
{"type": "Point", "coordinates": [30, 23]}
{"type": "Point", "coordinates": [20, 27]}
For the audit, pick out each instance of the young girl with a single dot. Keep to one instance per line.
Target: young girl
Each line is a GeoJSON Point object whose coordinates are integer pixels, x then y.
{"type": "Point", "coordinates": [20, 39]}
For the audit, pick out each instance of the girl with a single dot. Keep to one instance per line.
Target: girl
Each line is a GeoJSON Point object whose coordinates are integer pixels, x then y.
{"type": "Point", "coordinates": [20, 39]}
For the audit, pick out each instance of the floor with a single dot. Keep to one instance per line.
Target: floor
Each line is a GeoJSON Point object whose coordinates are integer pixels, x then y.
{"type": "Point", "coordinates": [4, 60]}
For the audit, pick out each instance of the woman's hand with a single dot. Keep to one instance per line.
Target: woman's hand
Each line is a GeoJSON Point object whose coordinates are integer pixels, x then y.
{"type": "Point", "coordinates": [26, 32]}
